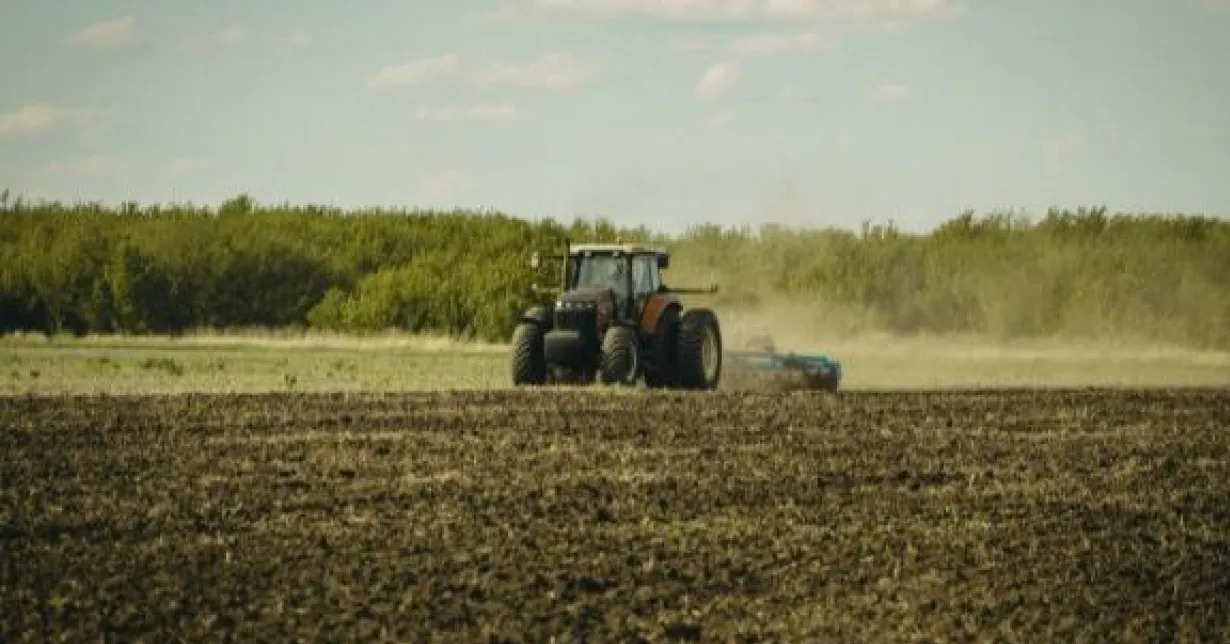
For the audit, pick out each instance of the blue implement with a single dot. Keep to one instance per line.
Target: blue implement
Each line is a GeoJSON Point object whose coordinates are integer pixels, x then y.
{"type": "Point", "coordinates": [817, 370]}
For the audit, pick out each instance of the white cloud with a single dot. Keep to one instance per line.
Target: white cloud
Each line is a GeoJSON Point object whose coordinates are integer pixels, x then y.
{"type": "Point", "coordinates": [691, 43]}
{"type": "Point", "coordinates": [478, 112]}
{"type": "Point", "coordinates": [763, 43]}
{"type": "Point", "coordinates": [109, 33]}
{"type": "Point", "coordinates": [37, 118]}
{"type": "Point", "coordinates": [518, 10]}
{"type": "Point", "coordinates": [91, 166]}
{"type": "Point", "coordinates": [716, 80]}
{"type": "Point", "coordinates": [551, 71]}
{"type": "Point", "coordinates": [777, 43]}
{"type": "Point", "coordinates": [873, 11]}
{"type": "Point", "coordinates": [890, 92]}
{"type": "Point", "coordinates": [225, 38]}
{"type": "Point", "coordinates": [439, 187]}
{"type": "Point", "coordinates": [865, 11]}
{"type": "Point", "coordinates": [232, 35]}
{"type": "Point", "coordinates": [415, 72]}
{"type": "Point", "coordinates": [295, 39]}
{"type": "Point", "coordinates": [797, 95]}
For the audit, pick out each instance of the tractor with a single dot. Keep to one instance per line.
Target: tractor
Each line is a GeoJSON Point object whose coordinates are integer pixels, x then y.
{"type": "Point", "coordinates": [612, 319]}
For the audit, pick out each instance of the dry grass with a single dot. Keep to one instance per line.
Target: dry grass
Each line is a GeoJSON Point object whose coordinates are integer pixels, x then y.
{"type": "Point", "coordinates": [263, 339]}
{"type": "Point", "coordinates": [262, 361]}
{"type": "Point", "coordinates": [242, 364]}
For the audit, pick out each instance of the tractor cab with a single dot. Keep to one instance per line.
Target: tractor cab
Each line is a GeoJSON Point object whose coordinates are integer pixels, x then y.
{"type": "Point", "coordinates": [632, 273]}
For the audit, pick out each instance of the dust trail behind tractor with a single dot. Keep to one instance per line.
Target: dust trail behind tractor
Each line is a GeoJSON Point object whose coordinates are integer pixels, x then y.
{"type": "Point", "coordinates": [764, 364]}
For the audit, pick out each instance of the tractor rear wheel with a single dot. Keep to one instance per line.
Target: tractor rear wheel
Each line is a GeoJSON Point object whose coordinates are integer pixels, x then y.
{"type": "Point", "coordinates": [665, 351]}
{"type": "Point", "coordinates": [529, 363]}
{"type": "Point", "coordinates": [621, 356]}
{"type": "Point", "coordinates": [699, 350]}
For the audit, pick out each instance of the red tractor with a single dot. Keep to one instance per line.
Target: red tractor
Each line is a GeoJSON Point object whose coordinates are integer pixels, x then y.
{"type": "Point", "coordinates": [614, 321]}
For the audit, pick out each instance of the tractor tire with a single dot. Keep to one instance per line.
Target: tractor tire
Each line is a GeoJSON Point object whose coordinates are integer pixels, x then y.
{"type": "Point", "coordinates": [665, 352]}
{"type": "Point", "coordinates": [699, 363]}
{"type": "Point", "coordinates": [529, 363]}
{"type": "Point", "coordinates": [621, 357]}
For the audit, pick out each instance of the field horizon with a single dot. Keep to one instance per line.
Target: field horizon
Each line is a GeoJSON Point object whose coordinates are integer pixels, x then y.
{"type": "Point", "coordinates": [257, 360]}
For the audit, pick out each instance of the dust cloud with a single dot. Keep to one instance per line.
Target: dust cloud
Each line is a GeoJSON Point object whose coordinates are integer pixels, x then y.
{"type": "Point", "coordinates": [873, 359]}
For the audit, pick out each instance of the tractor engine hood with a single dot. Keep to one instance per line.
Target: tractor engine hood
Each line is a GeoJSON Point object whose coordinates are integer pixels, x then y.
{"type": "Point", "coordinates": [584, 297]}
{"type": "Point", "coordinates": [584, 309]}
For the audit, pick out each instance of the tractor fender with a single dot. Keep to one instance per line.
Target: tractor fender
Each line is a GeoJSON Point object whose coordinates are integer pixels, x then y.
{"type": "Point", "coordinates": [655, 307]}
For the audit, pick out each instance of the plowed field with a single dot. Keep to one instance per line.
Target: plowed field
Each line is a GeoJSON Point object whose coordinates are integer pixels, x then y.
{"type": "Point", "coordinates": [506, 516]}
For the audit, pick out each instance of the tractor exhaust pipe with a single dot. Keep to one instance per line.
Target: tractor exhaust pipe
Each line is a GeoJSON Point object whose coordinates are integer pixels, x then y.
{"type": "Point", "coordinates": [563, 281]}
{"type": "Point", "coordinates": [536, 259]}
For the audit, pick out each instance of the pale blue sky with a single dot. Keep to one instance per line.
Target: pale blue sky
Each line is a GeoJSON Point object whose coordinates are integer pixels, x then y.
{"type": "Point", "coordinates": [664, 112]}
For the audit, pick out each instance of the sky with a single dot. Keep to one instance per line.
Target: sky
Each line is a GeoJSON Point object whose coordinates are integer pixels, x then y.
{"type": "Point", "coordinates": [663, 113]}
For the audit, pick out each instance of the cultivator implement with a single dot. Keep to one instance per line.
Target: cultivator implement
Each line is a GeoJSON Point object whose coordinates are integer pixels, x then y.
{"type": "Point", "coordinates": [790, 369]}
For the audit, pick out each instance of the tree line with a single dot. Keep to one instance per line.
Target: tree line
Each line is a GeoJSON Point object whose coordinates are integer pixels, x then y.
{"type": "Point", "coordinates": [131, 268]}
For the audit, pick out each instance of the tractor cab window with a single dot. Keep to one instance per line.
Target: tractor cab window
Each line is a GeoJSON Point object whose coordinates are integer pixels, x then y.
{"type": "Point", "coordinates": [645, 278]}
{"type": "Point", "coordinates": [604, 271]}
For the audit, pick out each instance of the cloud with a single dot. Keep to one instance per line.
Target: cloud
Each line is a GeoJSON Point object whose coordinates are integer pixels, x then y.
{"type": "Point", "coordinates": [414, 72]}
{"type": "Point", "coordinates": [91, 166]}
{"type": "Point", "coordinates": [441, 186]}
{"type": "Point", "coordinates": [478, 112]}
{"type": "Point", "coordinates": [550, 71]}
{"type": "Point", "coordinates": [716, 80]}
{"type": "Point", "coordinates": [1214, 5]}
{"type": "Point", "coordinates": [669, 9]}
{"type": "Point", "coordinates": [778, 43]}
{"type": "Point", "coordinates": [758, 44]}
{"type": "Point", "coordinates": [863, 11]}
{"type": "Point", "coordinates": [872, 11]}
{"type": "Point", "coordinates": [225, 38]}
{"type": "Point", "coordinates": [890, 92]}
{"type": "Point", "coordinates": [232, 35]}
{"type": "Point", "coordinates": [109, 33]}
{"type": "Point", "coordinates": [37, 118]}
{"type": "Point", "coordinates": [295, 40]}
{"type": "Point", "coordinates": [691, 43]}
{"type": "Point", "coordinates": [235, 35]}
{"type": "Point", "coordinates": [795, 94]}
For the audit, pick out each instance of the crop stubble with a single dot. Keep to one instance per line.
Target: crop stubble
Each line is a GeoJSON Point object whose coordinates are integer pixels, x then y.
{"type": "Point", "coordinates": [1036, 516]}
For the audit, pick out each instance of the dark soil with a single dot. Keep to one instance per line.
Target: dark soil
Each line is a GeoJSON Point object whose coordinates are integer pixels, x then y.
{"type": "Point", "coordinates": [1010, 516]}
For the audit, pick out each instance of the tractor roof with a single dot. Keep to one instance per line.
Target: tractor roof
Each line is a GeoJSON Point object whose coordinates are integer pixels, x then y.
{"type": "Point", "coordinates": [632, 249]}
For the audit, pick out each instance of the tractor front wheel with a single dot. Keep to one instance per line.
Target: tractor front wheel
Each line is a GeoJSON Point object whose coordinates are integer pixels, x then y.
{"type": "Point", "coordinates": [699, 351]}
{"type": "Point", "coordinates": [621, 359]}
{"type": "Point", "coordinates": [529, 363]}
